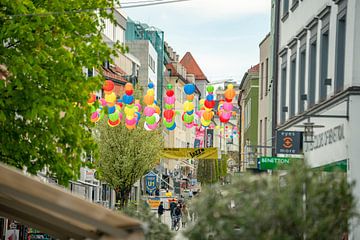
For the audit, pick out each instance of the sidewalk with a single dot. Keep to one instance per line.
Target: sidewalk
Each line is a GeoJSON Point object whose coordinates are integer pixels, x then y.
{"type": "Point", "coordinates": [167, 220]}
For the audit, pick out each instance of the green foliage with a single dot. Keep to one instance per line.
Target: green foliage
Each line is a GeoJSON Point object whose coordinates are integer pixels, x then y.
{"type": "Point", "coordinates": [272, 207]}
{"type": "Point", "coordinates": [210, 171]}
{"type": "Point", "coordinates": [206, 171]}
{"type": "Point", "coordinates": [43, 98]}
{"type": "Point", "coordinates": [126, 155]}
{"type": "Point", "coordinates": [223, 165]}
{"type": "Point", "coordinates": [155, 230]}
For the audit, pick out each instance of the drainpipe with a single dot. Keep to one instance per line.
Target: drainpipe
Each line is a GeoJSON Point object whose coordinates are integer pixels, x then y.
{"type": "Point", "coordinates": [275, 74]}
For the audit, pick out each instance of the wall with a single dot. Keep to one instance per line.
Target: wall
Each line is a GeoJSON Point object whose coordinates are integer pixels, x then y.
{"type": "Point", "coordinates": [297, 21]}
{"type": "Point", "coordinates": [201, 84]}
{"type": "Point", "coordinates": [142, 49]}
{"type": "Point", "coordinates": [264, 98]}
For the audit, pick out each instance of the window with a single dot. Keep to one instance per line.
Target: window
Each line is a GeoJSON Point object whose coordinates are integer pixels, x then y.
{"type": "Point", "coordinates": [340, 49]}
{"type": "Point", "coordinates": [248, 114]}
{"type": "Point", "coordinates": [265, 135]}
{"type": "Point", "coordinates": [285, 7]}
{"type": "Point", "coordinates": [292, 86]}
{"type": "Point", "coordinates": [90, 72]}
{"type": "Point", "coordinates": [283, 93]}
{"type": "Point", "coordinates": [262, 81]}
{"type": "Point", "coordinates": [266, 76]}
{"type": "Point", "coordinates": [106, 64]}
{"type": "Point", "coordinates": [152, 63]}
{"type": "Point", "coordinates": [302, 68]}
{"type": "Point", "coordinates": [324, 57]}
{"type": "Point", "coordinates": [312, 75]}
{"type": "Point", "coordinates": [294, 5]}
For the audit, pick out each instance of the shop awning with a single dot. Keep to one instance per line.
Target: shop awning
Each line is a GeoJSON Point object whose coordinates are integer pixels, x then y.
{"type": "Point", "coordinates": [57, 212]}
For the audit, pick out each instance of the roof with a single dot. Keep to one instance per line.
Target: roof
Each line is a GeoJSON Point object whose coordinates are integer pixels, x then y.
{"type": "Point", "coordinates": [174, 73]}
{"type": "Point", "coordinates": [115, 73]}
{"type": "Point", "coordinates": [192, 67]}
{"type": "Point", "coordinates": [252, 70]}
{"type": "Point", "coordinates": [59, 213]}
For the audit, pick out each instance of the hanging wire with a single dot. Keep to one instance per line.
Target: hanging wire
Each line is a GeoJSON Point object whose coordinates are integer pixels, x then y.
{"type": "Point", "coordinates": [144, 3]}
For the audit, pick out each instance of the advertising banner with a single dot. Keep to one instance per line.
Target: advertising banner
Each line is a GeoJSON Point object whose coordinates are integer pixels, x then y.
{"type": "Point", "coordinates": [150, 182]}
{"type": "Point", "coordinates": [189, 153]}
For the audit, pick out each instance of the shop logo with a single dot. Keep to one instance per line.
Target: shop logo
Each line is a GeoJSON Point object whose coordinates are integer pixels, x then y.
{"type": "Point", "coordinates": [288, 142]}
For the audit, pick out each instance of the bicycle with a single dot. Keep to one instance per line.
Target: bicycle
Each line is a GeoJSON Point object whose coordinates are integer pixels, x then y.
{"type": "Point", "coordinates": [176, 223]}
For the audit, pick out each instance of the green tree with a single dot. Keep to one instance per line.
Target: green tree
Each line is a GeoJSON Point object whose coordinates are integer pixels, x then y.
{"type": "Point", "coordinates": [126, 155]}
{"type": "Point", "coordinates": [46, 45]}
{"type": "Point", "coordinates": [206, 171]}
{"type": "Point", "coordinates": [273, 207]}
{"type": "Point", "coordinates": [223, 165]}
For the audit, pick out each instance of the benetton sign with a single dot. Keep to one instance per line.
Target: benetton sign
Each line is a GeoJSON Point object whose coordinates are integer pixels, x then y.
{"type": "Point", "coordinates": [266, 163]}
{"type": "Point", "coordinates": [288, 142]}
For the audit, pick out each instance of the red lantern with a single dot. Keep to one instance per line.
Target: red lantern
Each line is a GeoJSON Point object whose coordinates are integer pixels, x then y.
{"type": "Point", "coordinates": [209, 104]}
{"type": "Point", "coordinates": [169, 93]}
{"type": "Point", "coordinates": [108, 86]}
{"type": "Point", "coordinates": [168, 114]}
{"type": "Point", "coordinates": [129, 92]}
{"type": "Point", "coordinates": [92, 98]}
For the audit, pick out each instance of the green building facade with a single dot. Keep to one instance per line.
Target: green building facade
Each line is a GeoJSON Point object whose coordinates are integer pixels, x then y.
{"type": "Point", "coordinates": [249, 105]}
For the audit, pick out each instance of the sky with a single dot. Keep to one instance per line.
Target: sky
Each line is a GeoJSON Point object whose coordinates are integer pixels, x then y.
{"type": "Point", "coordinates": [222, 35]}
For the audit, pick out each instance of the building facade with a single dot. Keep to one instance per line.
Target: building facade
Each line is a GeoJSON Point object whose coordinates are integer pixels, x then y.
{"type": "Point", "coordinates": [148, 57]}
{"type": "Point", "coordinates": [265, 100]}
{"type": "Point", "coordinates": [136, 31]}
{"type": "Point", "coordinates": [249, 106]}
{"type": "Point", "coordinates": [319, 81]}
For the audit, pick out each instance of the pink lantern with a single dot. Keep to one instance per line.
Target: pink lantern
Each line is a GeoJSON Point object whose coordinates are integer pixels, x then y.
{"type": "Point", "coordinates": [149, 111]}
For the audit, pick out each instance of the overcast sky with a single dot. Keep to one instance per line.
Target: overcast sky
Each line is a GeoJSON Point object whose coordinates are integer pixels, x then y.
{"type": "Point", "coordinates": [222, 35]}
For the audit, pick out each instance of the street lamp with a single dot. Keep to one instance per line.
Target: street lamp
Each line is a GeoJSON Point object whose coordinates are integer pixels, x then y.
{"type": "Point", "coordinates": [309, 130]}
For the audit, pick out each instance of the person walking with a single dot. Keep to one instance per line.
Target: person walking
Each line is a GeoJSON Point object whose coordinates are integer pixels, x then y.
{"type": "Point", "coordinates": [161, 210]}
{"type": "Point", "coordinates": [172, 206]}
{"type": "Point", "coordinates": [184, 215]}
{"type": "Point", "coordinates": [176, 217]}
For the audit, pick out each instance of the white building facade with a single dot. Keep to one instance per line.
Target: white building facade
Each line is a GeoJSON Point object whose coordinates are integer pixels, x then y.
{"type": "Point", "coordinates": [319, 81]}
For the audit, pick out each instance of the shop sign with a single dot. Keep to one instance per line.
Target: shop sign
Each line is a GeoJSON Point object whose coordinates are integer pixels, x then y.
{"type": "Point", "coordinates": [209, 138]}
{"type": "Point", "coordinates": [288, 142]}
{"type": "Point", "coordinates": [268, 163]}
{"type": "Point", "coordinates": [154, 202]}
{"type": "Point", "coordinates": [150, 182]}
{"type": "Point", "coordinates": [325, 138]}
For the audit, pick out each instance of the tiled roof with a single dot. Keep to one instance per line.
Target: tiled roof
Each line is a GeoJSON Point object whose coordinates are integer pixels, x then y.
{"type": "Point", "coordinates": [254, 69]}
{"type": "Point", "coordinates": [113, 75]}
{"type": "Point", "coordinates": [171, 67]}
{"type": "Point", "coordinates": [192, 67]}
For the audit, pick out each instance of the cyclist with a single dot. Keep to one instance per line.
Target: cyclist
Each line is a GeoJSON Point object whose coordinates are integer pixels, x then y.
{"type": "Point", "coordinates": [176, 216]}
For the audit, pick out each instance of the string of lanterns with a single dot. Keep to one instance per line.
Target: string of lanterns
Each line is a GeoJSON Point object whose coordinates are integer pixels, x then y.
{"type": "Point", "coordinates": [132, 108]}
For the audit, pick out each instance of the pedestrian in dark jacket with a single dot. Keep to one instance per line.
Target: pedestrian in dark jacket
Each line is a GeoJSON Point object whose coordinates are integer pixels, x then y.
{"type": "Point", "coordinates": [161, 209]}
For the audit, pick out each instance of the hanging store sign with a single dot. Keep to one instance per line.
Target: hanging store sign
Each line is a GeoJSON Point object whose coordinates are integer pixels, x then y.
{"type": "Point", "coordinates": [150, 182]}
{"type": "Point", "coordinates": [189, 153]}
{"type": "Point", "coordinates": [270, 163]}
{"type": "Point", "coordinates": [209, 138]}
{"type": "Point", "coordinates": [288, 142]}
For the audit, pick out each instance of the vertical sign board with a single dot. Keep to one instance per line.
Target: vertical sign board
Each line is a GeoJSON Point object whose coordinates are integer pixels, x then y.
{"type": "Point", "coordinates": [197, 143]}
{"type": "Point", "coordinates": [150, 182]}
{"type": "Point", "coordinates": [209, 138]}
{"type": "Point", "coordinates": [288, 142]}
